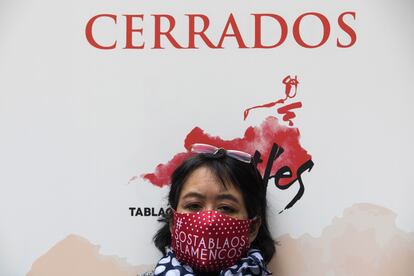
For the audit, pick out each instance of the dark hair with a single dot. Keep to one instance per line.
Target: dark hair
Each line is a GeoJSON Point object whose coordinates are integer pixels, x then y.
{"type": "Point", "coordinates": [245, 176]}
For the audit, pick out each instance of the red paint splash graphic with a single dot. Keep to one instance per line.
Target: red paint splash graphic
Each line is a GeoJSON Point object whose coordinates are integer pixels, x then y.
{"type": "Point", "coordinates": [276, 148]}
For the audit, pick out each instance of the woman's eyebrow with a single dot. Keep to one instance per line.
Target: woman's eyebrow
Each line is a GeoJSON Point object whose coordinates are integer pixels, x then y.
{"type": "Point", "coordinates": [194, 194]}
{"type": "Point", "coordinates": [229, 197]}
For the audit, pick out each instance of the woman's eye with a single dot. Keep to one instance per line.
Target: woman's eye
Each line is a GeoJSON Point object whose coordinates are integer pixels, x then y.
{"type": "Point", "coordinates": [193, 207]}
{"type": "Point", "coordinates": [226, 209]}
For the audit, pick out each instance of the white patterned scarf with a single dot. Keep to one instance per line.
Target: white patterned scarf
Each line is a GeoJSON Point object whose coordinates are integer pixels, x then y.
{"type": "Point", "coordinates": [252, 264]}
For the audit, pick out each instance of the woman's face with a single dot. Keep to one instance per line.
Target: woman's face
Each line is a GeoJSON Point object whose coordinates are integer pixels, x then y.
{"type": "Point", "coordinates": [204, 191]}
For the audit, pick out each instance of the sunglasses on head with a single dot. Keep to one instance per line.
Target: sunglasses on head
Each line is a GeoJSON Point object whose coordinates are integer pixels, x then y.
{"type": "Point", "coordinates": [210, 149]}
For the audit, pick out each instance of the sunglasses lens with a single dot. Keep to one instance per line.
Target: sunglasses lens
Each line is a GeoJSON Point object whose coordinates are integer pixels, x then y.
{"type": "Point", "coordinates": [240, 155]}
{"type": "Point", "coordinates": [203, 148]}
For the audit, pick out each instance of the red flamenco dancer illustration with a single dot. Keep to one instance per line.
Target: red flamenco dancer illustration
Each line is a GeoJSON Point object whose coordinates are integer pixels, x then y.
{"type": "Point", "coordinates": [275, 147]}
{"type": "Point", "coordinates": [285, 110]}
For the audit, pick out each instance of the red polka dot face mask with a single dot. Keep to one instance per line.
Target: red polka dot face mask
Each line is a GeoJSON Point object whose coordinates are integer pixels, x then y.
{"type": "Point", "coordinates": [209, 240]}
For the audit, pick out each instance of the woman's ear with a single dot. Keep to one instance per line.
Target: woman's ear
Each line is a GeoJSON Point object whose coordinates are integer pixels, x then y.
{"type": "Point", "coordinates": [254, 229]}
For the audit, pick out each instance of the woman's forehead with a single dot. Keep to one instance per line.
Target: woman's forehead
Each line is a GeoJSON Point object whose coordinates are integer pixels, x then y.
{"type": "Point", "coordinates": [204, 181]}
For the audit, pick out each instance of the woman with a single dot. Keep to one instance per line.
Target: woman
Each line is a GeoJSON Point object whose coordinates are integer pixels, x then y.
{"type": "Point", "coordinates": [218, 223]}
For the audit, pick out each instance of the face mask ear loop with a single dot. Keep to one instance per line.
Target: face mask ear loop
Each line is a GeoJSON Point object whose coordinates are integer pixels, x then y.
{"type": "Point", "coordinates": [254, 219]}
{"type": "Point", "coordinates": [252, 226]}
{"type": "Point", "coordinates": [171, 214]}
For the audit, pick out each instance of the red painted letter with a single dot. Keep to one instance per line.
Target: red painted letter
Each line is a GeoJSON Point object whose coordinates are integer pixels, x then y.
{"type": "Point", "coordinates": [236, 33]}
{"type": "Point", "coordinates": [192, 33]}
{"type": "Point", "coordinates": [130, 30]}
{"type": "Point", "coordinates": [258, 30]}
{"type": "Point", "coordinates": [346, 29]}
{"type": "Point", "coordinates": [89, 35]}
{"type": "Point", "coordinates": [158, 33]}
{"type": "Point", "coordinates": [326, 30]}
